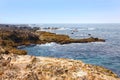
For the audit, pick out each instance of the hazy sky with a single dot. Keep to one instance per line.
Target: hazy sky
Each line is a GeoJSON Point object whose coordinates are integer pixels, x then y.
{"type": "Point", "coordinates": [59, 11]}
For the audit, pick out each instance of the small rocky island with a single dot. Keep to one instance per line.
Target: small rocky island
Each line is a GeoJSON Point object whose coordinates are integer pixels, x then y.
{"type": "Point", "coordinates": [16, 65]}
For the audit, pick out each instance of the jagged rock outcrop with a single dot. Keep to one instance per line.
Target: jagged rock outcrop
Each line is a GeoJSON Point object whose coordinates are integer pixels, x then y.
{"type": "Point", "coordinates": [17, 67]}
{"type": "Point", "coordinates": [64, 39]}
{"type": "Point", "coordinates": [51, 37]}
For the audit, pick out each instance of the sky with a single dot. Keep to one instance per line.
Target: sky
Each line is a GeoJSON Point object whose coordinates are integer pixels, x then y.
{"type": "Point", "coordinates": [59, 11]}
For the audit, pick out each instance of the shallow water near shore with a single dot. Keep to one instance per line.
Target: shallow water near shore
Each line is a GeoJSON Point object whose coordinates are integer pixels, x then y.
{"type": "Point", "coordinates": [105, 54]}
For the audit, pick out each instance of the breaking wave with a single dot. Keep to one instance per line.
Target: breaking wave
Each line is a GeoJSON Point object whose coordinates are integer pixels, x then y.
{"type": "Point", "coordinates": [48, 44]}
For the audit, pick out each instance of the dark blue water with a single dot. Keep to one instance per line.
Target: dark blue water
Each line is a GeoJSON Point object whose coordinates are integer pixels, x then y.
{"type": "Point", "coordinates": [105, 54]}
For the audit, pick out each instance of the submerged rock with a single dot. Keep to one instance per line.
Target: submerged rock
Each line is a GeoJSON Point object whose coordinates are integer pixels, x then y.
{"type": "Point", "coordinates": [25, 67]}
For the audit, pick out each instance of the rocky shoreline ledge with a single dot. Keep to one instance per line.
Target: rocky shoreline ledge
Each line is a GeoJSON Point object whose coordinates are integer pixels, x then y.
{"type": "Point", "coordinates": [25, 67]}
{"type": "Point", "coordinates": [16, 65]}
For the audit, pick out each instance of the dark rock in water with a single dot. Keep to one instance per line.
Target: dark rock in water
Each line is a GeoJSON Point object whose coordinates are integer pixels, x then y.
{"type": "Point", "coordinates": [50, 28]}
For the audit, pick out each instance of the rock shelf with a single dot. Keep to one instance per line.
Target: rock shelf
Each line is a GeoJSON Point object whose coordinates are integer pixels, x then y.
{"type": "Point", "coordinates": [25, 67]}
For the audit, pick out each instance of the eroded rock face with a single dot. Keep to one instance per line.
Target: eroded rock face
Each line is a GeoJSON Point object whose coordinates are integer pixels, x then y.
{"type": "Point", "coordinates": [25, 67]}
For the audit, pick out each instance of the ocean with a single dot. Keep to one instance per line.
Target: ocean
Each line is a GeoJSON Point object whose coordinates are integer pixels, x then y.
{"type": "Point", "coordinates": [106, 54]}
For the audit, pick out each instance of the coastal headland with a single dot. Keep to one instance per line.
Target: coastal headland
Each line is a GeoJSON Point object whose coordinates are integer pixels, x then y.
{"type": "Point", "coordinates": [15, 64]}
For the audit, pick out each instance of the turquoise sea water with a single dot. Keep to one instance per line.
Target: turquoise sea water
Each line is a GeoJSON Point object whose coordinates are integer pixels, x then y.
{"type": "Point", "coordinates": [105, 54]}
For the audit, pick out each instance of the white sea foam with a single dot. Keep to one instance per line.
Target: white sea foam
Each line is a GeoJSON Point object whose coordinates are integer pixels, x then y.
{"type": "Point", "coordinates": [91, 28]}
{"type": "Point", "coordinates": [98, 42]}
{"type": "Point", "coordinates": [81, 29]}
{"type": "Point", "coordinates": [48, 44]}
{"type": "Point", "coordinates": [62, 28]}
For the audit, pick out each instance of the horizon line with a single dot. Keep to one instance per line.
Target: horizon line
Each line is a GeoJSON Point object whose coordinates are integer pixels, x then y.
{"type": "Point", "coordinates": [60, 23]}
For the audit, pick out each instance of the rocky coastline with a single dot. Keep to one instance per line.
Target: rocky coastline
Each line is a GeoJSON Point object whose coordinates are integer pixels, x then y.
{"type": "Point", "coordinates": [12, 36]}
{"type": "Point", "coordinates": [16, 65]}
